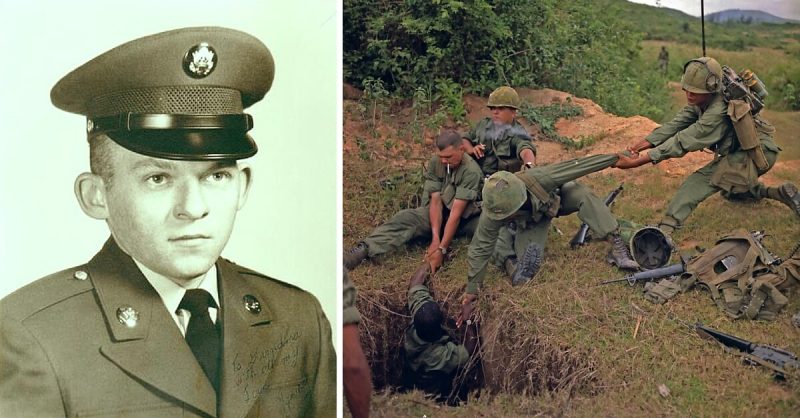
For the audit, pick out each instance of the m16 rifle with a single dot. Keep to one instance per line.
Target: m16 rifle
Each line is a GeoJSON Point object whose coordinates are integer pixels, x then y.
{"type": "Point", "coordinates": [781, 362]}
{"type": "Point", "coordinates": [769, 258]}
{"type": "Point", "coordinates": [580, 237]}
{"type": "Point", "coordinates": [745, 86]}
{"type": "Point", "coordinates": [650, 275]}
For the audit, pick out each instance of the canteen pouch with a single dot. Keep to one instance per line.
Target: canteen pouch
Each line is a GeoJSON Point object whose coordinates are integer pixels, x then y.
{"type": "Point", "coordinates": [745, 127]}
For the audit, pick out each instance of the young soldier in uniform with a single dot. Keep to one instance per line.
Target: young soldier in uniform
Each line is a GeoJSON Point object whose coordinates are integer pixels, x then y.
{"type": "Point", "coordinates": [157, 323]}
{"type": "Point", "coordinates": [500, 142]}
{"type": "Point", "coordinates": [531, 199]}
{"type": "Point", "coordinates": [663, 60]}
{"type": "Point", "coordinates": [432, 359]}
{"type": "Point", "coordinates": [452, 186]}
{"type": "Point", "coordinates": [704, 123]}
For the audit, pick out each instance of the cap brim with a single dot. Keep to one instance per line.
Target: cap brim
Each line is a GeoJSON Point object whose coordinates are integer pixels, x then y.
{"type": "Point", "coordinates": [190, 145]}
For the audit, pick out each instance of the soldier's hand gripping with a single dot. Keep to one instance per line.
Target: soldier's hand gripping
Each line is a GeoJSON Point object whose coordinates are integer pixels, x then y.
{"type": "Point", "coordinates": [467, 308]}
{"type": "Point", "coordinates": [627, 160]}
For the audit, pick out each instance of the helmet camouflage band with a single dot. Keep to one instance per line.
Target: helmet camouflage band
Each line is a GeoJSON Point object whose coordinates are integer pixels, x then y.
{"type": "Point", "coordinates": [503, 194]}
{"type": "Point", "coordinates": [701, 75]}
{"type": "Point", "coordinates": [504, 97]}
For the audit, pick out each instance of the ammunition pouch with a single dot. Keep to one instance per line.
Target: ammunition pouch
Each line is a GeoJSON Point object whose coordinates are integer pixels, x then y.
{"type": "Point", "coordinates": [740, 113]}
{"type": "Point", "coordinates": [735, 176]}
{"type": "Point", "coordinates": [549, 202]}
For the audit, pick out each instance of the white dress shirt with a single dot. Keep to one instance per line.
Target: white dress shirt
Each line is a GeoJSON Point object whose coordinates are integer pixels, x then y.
{"type": "Point", "coordinates": [171, 293]}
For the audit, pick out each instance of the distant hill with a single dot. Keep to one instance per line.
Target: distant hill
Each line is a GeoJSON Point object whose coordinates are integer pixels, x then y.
{"type": "Point", "coordinates": [746, 16]}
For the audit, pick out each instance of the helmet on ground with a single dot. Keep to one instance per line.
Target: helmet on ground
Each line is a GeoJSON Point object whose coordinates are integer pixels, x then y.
{"type": "Point", "coordinates": [504, 97]}
{"type": "Point", "coordinates": [503, 194]}
{"type": "Point", "coordinates": [702, 75]}
{"type": "Point", "coordinates": [650, 247]}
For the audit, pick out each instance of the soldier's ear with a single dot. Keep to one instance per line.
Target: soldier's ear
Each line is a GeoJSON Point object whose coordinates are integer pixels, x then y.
{"type": "Point", "coordinates": [244, 185]}
{"type": "Point", "coordinates": [90, 190]}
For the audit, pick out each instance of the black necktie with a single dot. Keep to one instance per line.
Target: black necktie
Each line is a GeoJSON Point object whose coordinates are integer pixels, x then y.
{"type": "Point", "coordinates": [201, 334]}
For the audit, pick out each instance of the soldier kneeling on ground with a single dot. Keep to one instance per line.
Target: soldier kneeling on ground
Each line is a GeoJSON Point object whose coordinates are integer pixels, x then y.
{"type": "Point", "coordinates": [433, 359]}
{"type": "Point", "coordinates": [452, 189]}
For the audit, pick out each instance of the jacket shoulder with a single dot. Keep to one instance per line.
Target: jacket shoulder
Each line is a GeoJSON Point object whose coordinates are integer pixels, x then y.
{"type": "Point", "coordinates": [268, 280]}
{"type": "Point", "coordinates": [45, 292]}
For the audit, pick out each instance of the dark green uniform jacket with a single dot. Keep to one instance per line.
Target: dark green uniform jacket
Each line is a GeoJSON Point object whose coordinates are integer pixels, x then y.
{"type": "Point", "coordinates": [463, 182]}
{"type": "Point", "coordinates": [532, 219]}
{"type": "Point", "coordinates": [503, 143]}
{"type": "Point", "coordinates": [424, 357]}
{"type": "Point", "coordinates": [693, 129]}
{"type": "Point", "coordinates": [63, 351]}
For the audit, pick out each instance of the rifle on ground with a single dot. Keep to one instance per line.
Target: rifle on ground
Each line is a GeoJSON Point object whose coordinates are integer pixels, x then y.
{"type": "Point", "coordinates": [779, 361]}
{"type": "Point", "coordinates": [650, 275]}
{"type": "Point", "coordinates": [580, 237]}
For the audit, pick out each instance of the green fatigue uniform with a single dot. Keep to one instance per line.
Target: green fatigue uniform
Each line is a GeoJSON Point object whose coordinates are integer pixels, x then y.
{"type": "Point", "coordinates": [531, 223]}
{"type": "Point", "coordinates": [463, 182]}
{"type": "Point", "coordinates": [349, 310]}
{"type": "Point", "coordinates": [503, 145]}
{"type": "Point", "coordinates": [663, 60]}
{"type": "Point", "coordinates": [430, 361]}
{"type": "Point", "coordinates": [694, 129]}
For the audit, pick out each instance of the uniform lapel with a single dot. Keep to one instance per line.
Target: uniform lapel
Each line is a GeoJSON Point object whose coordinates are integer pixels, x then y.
{"type": "Point", "coordinates": [250, 339]}
{"type": "Point", "coordinates": [152, 349]}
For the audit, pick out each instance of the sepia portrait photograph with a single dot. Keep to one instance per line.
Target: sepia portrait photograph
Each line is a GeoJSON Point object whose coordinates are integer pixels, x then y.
{"type": "Point", "coordinates": [169, 234]}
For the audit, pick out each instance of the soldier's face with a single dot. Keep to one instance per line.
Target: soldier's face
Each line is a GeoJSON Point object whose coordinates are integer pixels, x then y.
{"type": "Point", "coordinates": [175, 217]}
{"type": "Point", "coordinates": [451, 155]}
{"type": "Point", "coordinates": [697, 99]}
{"type": "Point", "coordinates": [503, 114]}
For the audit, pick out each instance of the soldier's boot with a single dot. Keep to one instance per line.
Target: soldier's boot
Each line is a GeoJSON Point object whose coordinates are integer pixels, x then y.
{"type": "Point", "coordinates": [619, 254]}
{"type": "Point", "coordinates": [528, 266]}
{"type": "Point", "coordinates": [668, 226]}
{"type": "Point", "coordinates": [355, 256]}
{"type": "Point", "coordinates": [787, 194]}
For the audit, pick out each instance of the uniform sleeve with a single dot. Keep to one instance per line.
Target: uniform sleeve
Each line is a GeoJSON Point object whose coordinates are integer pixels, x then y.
{"type": "Point", "coordinates": [521, 140]}
{"type": "Point", "coordinates": [681, 121]}
{"type": "Point", "coordinates": [418, 295]}
{"type": "Point", "coordinates": [349, 312]}
{"type": "Point", "coordinates": [703, 133]}
{"type": "Point", "coordinates": [472, 135]}
{"type": "Point", "coordinates": [446, 357]}
{"type": "Point", "coordinates": [480, 251]}
{"type": "Point", "coordinates": [433, 183]}
{"type": "Point", "coordinates": [28, 385]}
{"type": "Point", "coordinates": [324, 402]}
{"type": "Point", "coordinates": [469, 185]}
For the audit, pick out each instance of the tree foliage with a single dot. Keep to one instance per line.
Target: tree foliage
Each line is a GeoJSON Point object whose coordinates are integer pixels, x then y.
{"type": "Point", "coordinates": [580, 46]}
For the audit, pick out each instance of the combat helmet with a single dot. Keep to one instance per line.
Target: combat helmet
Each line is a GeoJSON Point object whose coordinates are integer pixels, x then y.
{"type": "Point", "coordinates": [504, 97]}
{"type": "Point", "coordinates": [702, 75]}
{"type": "Point", "coordinates": [503, 194]}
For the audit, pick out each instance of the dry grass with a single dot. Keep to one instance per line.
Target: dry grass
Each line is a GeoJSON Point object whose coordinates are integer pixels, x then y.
{"type": "Point", "coordinates": [561, 346]}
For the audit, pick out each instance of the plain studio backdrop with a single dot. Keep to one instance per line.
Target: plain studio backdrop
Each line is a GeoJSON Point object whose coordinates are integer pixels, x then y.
{"type": "Point", "coordinates": [287, 229]}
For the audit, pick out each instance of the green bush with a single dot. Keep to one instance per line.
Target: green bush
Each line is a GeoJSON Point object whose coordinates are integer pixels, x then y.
{"type": "Point", "coordinates": [585, 47]}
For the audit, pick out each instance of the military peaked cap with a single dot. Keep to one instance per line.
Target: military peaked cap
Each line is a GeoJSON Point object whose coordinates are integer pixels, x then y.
{"type": "Point", "coordinates": [177, 95]}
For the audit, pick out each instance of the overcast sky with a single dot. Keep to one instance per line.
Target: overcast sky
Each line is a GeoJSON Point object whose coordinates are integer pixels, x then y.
{"type": "Point", "coordinates": [789, 9]}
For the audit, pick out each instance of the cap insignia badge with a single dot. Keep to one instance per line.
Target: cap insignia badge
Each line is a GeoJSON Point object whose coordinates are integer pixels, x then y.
{"type": "Point", "coordinates": [200, 60]}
